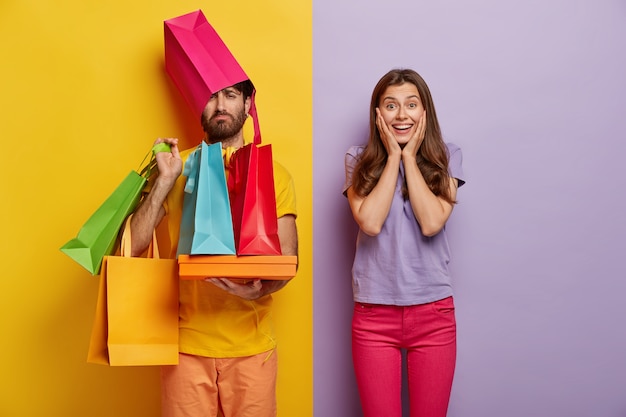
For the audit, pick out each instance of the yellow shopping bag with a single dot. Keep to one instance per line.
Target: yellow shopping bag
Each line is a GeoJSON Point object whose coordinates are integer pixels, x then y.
{"type": "Point", "coordinates": [136, 321]}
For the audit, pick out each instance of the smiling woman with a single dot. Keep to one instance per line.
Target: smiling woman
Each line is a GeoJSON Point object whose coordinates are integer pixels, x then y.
{"type": "Point", "coordinates": [400, 270]}
{"type": "Point", "coordinates": [401, 109]}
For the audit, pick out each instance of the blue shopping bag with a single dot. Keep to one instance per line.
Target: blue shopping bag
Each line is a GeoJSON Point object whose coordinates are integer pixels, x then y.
{"type": "Point", "coordinates": [206, 227]}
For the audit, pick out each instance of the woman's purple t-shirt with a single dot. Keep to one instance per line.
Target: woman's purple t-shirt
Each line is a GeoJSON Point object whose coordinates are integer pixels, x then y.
{"type": "Point", "coordinates": [400, 266]}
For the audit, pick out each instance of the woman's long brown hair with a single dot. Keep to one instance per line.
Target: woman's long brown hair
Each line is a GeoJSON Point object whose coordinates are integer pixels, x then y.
{"type": "Point", "coordinates": [431, 157]}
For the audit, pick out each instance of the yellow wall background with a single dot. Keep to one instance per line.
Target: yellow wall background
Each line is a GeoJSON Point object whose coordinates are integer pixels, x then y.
{"type": "Point", "coordinates": [83, 96]}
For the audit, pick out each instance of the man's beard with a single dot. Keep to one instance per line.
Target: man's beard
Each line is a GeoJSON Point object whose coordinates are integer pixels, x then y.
{"type": "Point", "coordinates": [221, 130]}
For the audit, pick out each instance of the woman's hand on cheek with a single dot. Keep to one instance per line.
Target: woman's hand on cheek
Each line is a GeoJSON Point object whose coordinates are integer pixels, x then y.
{"type": "Point", "coordinates": [386, 135]}
{"type": "Point", "coordinates": [416, 139]}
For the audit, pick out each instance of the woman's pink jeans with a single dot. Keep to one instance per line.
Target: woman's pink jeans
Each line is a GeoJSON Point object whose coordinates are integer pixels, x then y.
{"type": "Point", "coordinates": [428, 333]}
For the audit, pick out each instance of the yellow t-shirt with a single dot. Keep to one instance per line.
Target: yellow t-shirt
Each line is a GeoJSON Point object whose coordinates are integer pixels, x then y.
{"type": "Point", "coordinates": [212, 322]}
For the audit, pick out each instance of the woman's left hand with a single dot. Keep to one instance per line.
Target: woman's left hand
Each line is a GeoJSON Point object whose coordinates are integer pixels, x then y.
{"type": "Point", "coordinates": [416, 140]}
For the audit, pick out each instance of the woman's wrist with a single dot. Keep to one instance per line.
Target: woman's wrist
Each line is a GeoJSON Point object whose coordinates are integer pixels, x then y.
{"type": "Point", "coordinates": [408, 157]}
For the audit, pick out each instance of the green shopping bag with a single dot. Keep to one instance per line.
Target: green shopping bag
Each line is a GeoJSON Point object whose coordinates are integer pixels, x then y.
{"type": "Point", "coordinates": [99, 235]}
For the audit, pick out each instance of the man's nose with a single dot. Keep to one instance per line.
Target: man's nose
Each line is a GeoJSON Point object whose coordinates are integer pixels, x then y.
{"type": "Point", "coordinates": [220, 101]}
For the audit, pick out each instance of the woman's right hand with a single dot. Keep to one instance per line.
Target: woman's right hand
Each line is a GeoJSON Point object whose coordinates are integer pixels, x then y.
{"type": "Point", "coordinates": [386, 135]}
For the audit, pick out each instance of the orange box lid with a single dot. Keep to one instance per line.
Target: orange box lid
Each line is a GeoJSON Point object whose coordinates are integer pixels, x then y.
{"type": "Point", "coordinates": [232, 266]}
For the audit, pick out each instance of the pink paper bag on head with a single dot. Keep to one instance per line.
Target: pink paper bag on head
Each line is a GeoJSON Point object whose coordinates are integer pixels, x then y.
{"type": "Point", "coordinates": [199, 62]}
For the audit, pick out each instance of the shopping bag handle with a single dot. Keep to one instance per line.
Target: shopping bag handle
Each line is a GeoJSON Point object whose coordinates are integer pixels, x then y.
{"type": "Point", "coordinates": [190, 170]}
{"type": "Point", "coordinates": [146, 171]}
{"type": "Point", "coordinates": [255, 119]}
{"type": "Point", "coordinates": [126, 244]}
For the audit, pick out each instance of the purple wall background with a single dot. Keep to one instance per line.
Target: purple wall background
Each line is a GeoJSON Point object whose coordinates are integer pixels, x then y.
{"type": "Point", "coordinates": [535, 93]}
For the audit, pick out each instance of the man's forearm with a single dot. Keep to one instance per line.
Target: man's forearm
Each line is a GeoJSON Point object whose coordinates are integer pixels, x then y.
{"type": "Point", "coordinates": [146, 218]}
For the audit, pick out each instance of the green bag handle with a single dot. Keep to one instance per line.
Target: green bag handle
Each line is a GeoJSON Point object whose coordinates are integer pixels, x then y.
{"type": "Point", "coordinates": [146, 171]}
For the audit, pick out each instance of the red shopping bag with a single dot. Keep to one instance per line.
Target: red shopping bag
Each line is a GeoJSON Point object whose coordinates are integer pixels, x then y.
{"type": "Point", "coordinates": [253, 200]}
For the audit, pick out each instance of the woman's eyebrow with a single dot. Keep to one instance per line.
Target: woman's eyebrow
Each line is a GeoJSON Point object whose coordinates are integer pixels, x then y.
{"type": "Point", "coordinates": [406, 98]}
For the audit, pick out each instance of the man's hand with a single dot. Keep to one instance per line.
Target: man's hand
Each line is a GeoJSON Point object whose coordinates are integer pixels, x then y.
{"type": "Point", "coordinates": [170, 163]}
{"type": "Point", "coordinates": [249, 289]}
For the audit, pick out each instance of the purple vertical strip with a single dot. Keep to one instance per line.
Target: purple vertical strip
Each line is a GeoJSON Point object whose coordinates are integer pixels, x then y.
{"type": "Point", "coordinates": [534, 93]}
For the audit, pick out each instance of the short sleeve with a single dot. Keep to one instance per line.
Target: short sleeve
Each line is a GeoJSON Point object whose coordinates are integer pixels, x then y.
{"type": "Point", "coordinates": [455, 163]}
{"type": "Point", "coordinates": [285, 191]}
{"type": "Point", "coordinates": [350, 161]}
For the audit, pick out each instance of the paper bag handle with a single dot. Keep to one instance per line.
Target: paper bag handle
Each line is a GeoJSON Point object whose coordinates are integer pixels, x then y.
{"type": "Point", "coordinates": [147, 169]}
{"type": "Point", "coordinates": [255, 119]}
{"type": "Point", "coordinates": [126, 245]}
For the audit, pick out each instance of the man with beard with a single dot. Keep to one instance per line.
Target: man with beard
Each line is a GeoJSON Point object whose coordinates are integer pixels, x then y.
{"type": "Point", "coordinates": [227, 359]}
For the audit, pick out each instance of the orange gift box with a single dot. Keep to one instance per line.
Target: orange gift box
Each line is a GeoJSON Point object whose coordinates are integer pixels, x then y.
{"type": "Point", "coordinates": [278, 267]}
